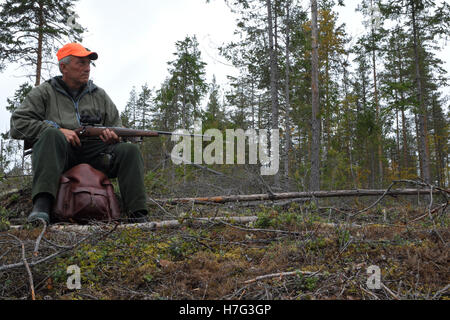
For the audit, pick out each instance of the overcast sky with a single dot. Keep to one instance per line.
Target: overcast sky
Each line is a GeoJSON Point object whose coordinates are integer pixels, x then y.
{"type": "Point", "coordinates": [136, 38]}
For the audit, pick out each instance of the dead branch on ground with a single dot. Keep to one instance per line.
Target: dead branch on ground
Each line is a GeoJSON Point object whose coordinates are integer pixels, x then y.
{"type": "Point", "coordinates": [64, 249]}
{"type": "Point", "coordinates": [290, 195]}
{"type": "Point", "coordinates": [283, 274]}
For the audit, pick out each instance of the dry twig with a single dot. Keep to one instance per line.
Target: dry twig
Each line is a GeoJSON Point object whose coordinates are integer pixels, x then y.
{"type": "Point", "coordinates": [283, 274]}
{"type": "Point", "coordinates": [370, 293]}
{"type": "Point", "coordinates": [27, 267]}
{"type": "Point", "coordinates": [440, 292]}
{"type": "Point", "coordinates": [389, 291]}
{"type": "Point", "coordinates": [38, 240]}
{"type": "Point", "coordinates": [52, 256]}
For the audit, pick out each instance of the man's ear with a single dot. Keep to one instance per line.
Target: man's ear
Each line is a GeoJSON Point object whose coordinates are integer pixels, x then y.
{"type": "Point", "coordinates": [62, 67]}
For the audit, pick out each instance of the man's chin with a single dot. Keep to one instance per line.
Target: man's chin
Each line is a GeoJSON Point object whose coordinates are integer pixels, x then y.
{"type": "Point", "coordinates": [84, 81]}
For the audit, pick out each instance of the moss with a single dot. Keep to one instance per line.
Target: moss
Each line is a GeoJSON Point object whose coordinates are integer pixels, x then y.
{"type": "Point", "coordinates": [4, 219]}
{"type": "Point", "coordinates": [213, 261]}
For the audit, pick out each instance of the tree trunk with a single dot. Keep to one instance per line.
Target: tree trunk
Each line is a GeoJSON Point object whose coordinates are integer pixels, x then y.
{"type": "Point", "coordinates": [315, 121]}
{"type": "Point", "coordinates": [292, 195]}
{"type": "Point", "coordinates": [416, 121]}
{"type": "Point", "coordinates": [40, 43]}
{"type": "Point", "coordinates": [402, 98]}
{"type": "Point", "coordinates": [438, 147]}
{"type": "Point", "coordinates": [288, 104]}
{"type": "Point", "coordinates": [2, 161]}
{"type": "Point", "coordinates": [252, 103]}
{"type": "Point", "coordinates": [378, 119]}
{"type": "Point", "coordinates": [405, 141]}
{"type": "Point", "coordinates": [422, 112]}
{"type": "Point", "coordinates": [377, 106]}
{"type": "Point", "coordinates": [397, 142]}
{"type": "Point", "coordinates": [273, 78]}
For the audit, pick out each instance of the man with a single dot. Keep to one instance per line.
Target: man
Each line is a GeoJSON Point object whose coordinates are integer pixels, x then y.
{"type": "Point", "coordinates": [46, 119]}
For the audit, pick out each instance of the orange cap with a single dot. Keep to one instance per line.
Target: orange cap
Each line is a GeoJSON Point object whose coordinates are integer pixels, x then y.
{"type": "Point", "coordinates": [77, 50]}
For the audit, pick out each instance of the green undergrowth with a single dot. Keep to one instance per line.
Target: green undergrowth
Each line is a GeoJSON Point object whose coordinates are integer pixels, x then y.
{"type": "Point", "coordinates": [314, 259]}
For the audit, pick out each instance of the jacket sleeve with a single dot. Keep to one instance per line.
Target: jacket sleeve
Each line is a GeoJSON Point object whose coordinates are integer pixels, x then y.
{"type": "Point", "coordinates": [112, 114]}
{"type": "Point", "coordinates": [27, 121]}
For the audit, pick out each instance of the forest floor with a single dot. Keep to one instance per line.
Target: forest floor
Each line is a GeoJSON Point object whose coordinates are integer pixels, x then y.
{"type": "Point", "coordinates": [294, 251]}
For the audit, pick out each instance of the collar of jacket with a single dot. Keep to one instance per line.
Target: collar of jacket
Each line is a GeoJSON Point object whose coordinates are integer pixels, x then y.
{"type": "Point", "coordinates": [57, 83]}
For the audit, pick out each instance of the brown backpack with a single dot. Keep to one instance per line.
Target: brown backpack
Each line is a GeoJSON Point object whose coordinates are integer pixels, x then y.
{"type": "Point", "coordinates": [85, 194]}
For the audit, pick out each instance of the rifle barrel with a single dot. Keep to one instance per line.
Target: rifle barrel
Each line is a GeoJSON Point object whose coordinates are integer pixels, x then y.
{"type": "Point", "coordinates": [182, 134]}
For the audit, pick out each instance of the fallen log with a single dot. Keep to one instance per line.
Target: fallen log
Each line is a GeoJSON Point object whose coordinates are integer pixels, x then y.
{"type": "Point", "coordinates": [176, 223]}
{"type": "Point", "coordinates": [290, 195]}
{"type": "Point", "coordinates": [9, 192]}
{"type": "Point", "coordinates": [149, 225]}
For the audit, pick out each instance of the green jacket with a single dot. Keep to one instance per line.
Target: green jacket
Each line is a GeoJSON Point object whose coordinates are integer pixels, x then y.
{"type": "Point", "coordinates": [50, 105]}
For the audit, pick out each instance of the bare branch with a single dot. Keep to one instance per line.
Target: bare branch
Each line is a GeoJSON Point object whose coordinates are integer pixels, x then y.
{"type": "Point", "coordinates": [27, 267]}
{"type": "Point", "coordinates": [283, 274]}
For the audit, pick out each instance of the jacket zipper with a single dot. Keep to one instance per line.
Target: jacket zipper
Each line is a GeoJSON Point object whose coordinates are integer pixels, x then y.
{"type": "Point", "coordinates": [75, 103]}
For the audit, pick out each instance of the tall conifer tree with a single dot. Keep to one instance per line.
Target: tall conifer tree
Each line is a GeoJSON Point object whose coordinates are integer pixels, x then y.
{"type": "Point", "coordinates": [32, 30]}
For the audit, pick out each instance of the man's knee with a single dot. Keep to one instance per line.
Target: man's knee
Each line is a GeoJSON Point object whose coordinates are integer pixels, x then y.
{"type": "Point", "coordinates": [51, 143]}
{"type": "Point", "coordinates": [127, 151]}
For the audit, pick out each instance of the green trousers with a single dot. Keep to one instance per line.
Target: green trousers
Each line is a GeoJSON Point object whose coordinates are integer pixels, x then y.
{"type": "Point", "coordinates": [53, 155]}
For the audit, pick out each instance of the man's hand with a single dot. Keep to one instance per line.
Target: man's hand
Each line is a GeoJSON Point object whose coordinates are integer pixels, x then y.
{"type": "Point", "coordinates": [109, 137]}
{"type": "Point", "coordinates": [71, 137]}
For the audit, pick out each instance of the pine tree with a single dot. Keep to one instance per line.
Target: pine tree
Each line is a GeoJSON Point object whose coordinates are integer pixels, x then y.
{"type": "Point", "coordinates": [371, 44]}
{"type": "Point", "coordinates": [19, 97]}
{"type": "Point", "coordinates": [397, 86]}
{"type": "Point", "coordinates": [239, 99]}
{"type": "Point", "coordinates": [128, 116]}
{"type": "Point", "coordinates": [315, 121]}
{"type": "Point", "coordinates": [144, 104]}
{"type": "Point", "coordinates": [165, 112]}
{"type": "Point", "coordinates": [11, 149]}
{"type": "Point", "coordinates": [287, 94]}
{"type": "Point", "coordinates": [187, 78]}
{"type": "Point", "coordinates": [366, 126]}
{"type": "Point", "coordinates": [214, 117]}
{"type": "Point", "coordinates": [31, 30]}
{"type": "Point", "coordinates": [426, 21]}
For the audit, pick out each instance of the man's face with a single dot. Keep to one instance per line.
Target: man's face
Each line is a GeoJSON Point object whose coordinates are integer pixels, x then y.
{"type": "Point", "coordinates": [76, 72]}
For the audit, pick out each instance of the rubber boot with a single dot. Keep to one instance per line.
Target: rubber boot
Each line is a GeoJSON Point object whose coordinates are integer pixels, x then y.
{"type": "Point", "coordinates": [42, 205]}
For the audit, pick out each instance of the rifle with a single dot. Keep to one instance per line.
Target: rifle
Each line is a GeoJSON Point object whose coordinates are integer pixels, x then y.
{"type": "Point", "coordinates": [91, 130]}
